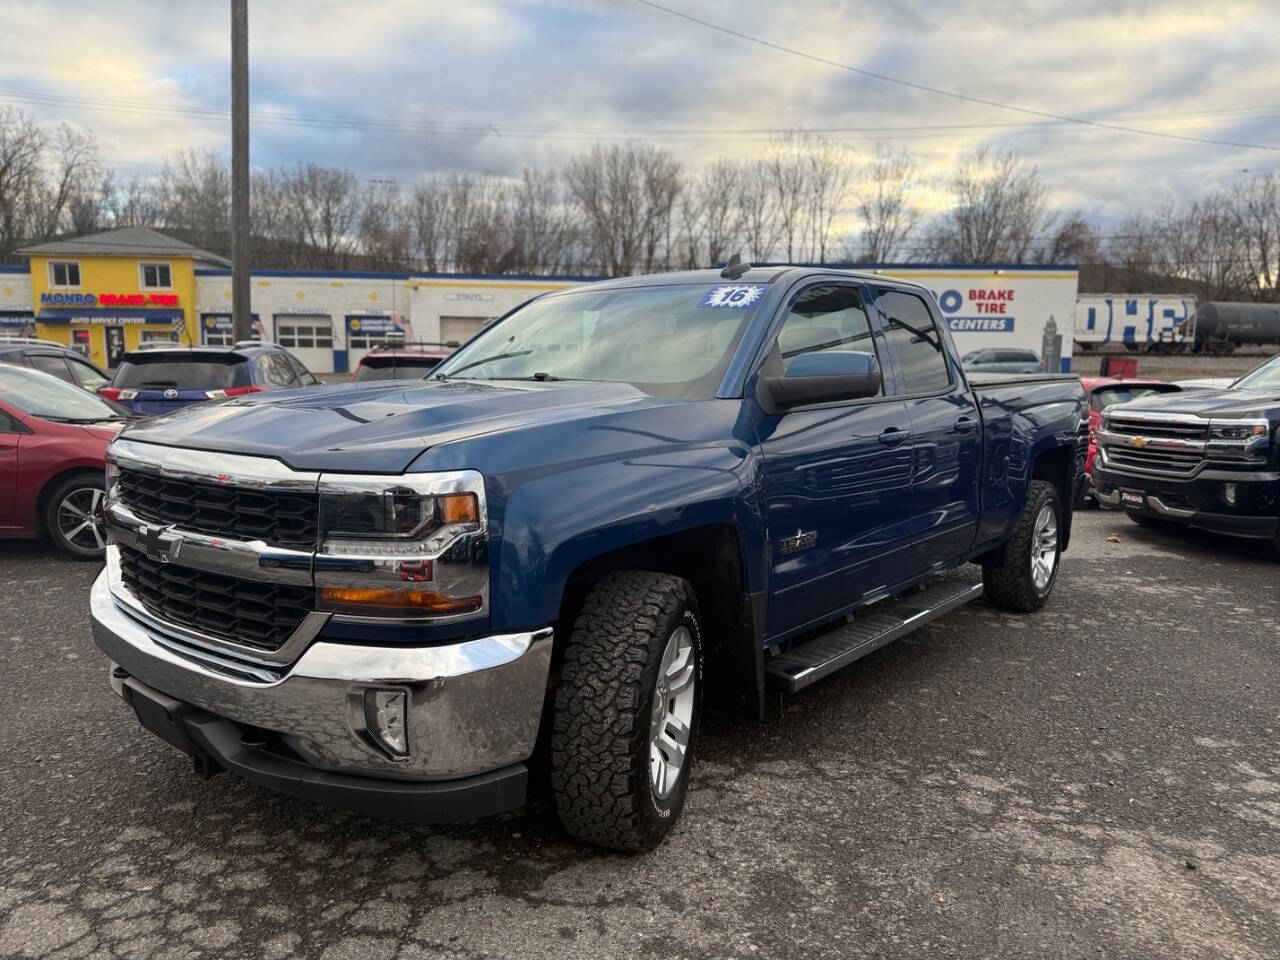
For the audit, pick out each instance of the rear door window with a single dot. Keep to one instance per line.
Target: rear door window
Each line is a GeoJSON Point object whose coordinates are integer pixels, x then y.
{"type": "Point", "coordinates": [915, 339]}
{"type": "Point", "coordinates": [51, 364]}
{"type": "Point", "coordinates": [85, 375]}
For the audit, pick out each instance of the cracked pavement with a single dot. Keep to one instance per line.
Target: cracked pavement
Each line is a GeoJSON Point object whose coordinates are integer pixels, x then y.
{"type": "Point", "coordinates": [1101, 779]}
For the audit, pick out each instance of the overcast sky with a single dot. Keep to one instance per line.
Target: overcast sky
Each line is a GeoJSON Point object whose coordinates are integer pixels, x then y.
{"type": "Point", "coordinates": [396, 89]}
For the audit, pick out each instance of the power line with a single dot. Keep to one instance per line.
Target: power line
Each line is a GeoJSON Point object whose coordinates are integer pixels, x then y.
{"type": "Point", "coordinates": [946, 93]}
{"type": "Point", "coordinates": [674, 134]}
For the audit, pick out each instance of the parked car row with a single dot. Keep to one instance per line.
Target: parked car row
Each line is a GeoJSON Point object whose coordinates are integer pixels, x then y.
{"type": "Point", "coordinates": [58, 412]}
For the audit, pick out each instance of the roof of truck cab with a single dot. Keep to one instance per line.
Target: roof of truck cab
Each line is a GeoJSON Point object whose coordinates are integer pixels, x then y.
{"type": "Point", "coordinates": [769, 274]}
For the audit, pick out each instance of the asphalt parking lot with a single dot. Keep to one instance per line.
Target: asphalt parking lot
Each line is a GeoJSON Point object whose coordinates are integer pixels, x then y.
{"type": "Point", "coordinates": [1098, 780]}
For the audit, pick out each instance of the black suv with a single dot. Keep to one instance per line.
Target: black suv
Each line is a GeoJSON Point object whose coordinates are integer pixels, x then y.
{"type": "Point", "coordinates": [54, 358]}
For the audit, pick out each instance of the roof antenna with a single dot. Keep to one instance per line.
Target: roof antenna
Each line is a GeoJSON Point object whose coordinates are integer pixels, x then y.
{"type": "Point", "coordinates": [735, 268]}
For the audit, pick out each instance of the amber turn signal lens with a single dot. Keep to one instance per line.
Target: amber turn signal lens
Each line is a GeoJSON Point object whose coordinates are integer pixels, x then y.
{"type": "Point", "coordinates": [385, 599]}
{"type": "Point", "coordinates": [459, 508]}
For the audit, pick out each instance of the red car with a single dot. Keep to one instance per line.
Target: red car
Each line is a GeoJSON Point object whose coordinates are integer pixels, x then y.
{"type": "Point", "coordinates": [402, 361]}
{"type": "Point", "coordinates": [53, 444]}
{"type": "Point", "coordinates": [1102, 393]}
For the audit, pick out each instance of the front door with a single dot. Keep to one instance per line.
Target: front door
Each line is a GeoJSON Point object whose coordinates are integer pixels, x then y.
{"type": "Point", "coordinates": [946, 435]}
{"type": "Point", "coordinates": [113, 343]}
{"type": "Point", "coordinates": [10, 434]}
{"type": "Point", "coordinates": [837, 476]}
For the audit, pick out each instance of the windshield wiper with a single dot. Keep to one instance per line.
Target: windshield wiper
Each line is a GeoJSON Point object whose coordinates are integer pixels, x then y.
{"type": "Point", "coordinates": [477, 363]}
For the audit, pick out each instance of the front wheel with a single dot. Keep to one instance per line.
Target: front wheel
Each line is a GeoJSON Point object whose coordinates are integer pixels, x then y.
{"type": "Point", "coordinates": [1021, 575]}
{"type": "Point", "coordinates": [73, 517]}
{"type": "Point", "coordinates": [626, 711]}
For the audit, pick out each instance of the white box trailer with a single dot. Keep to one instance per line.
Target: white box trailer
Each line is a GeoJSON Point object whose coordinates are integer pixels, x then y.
{"type": "Point", "coordinates": [1146, 322]}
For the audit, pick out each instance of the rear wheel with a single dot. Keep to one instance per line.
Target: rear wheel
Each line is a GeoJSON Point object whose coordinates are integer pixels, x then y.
{"type": "Point", "coordinates": [73, 517]}
{"type": "Point", "coordinates": [1021, 575]}
{"type": "Point", "coordinates": [626, 711]}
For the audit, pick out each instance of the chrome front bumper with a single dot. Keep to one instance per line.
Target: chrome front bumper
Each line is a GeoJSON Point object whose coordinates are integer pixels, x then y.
{"type": "Point", "coordinates": [473, 706]}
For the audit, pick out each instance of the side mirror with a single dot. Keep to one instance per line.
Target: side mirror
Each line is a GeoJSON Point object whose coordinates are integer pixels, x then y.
{"type": "Point", "coordinates": [821, 377]}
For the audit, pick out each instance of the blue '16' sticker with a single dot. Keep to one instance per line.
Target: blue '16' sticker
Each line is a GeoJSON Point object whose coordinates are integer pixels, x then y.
{"type": "Point", "coordinates": [732, 295]}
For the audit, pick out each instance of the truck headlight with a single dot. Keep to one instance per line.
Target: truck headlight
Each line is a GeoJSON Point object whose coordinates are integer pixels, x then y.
{"type": "Point", "coordinates": [112, 475]}
{"type": "Point", "coordinates": [1237, 429]}
{"type": "Point", "coordinates": [408, 547]}
{"type": "Point", "coordinates": [1247, 440]}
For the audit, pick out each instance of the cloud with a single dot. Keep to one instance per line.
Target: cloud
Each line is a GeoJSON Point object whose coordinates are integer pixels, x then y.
{"type": "Point", "coordinates": [493, 86]}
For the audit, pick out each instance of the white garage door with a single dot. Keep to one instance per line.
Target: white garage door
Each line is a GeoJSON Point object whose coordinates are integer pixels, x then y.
{"type": "Point", "coordinates": [309, 338]}
{"type": "Point", "coordinates": [460, 329]}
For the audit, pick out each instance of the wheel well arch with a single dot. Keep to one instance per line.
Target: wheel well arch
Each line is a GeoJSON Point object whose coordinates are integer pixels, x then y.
{"type": "Point", "coordinates": [1056, 465]}
{"type": "Point", "coordinates": [46, 491]}
{"type": "Point", "coordinates": [712, 558]}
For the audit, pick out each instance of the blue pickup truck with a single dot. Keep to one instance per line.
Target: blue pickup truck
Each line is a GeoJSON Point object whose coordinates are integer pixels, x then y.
{"type": "Point", "coordinates": [618, 502]}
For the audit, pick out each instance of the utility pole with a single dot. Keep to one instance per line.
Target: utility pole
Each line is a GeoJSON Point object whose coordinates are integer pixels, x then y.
{"type": "Point", "coordinates": [240, 170]}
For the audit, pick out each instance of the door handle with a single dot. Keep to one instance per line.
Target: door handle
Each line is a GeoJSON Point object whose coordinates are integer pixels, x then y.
{"type": "Point", "coordinates": [892, 436]}
{"type": "Point", "coordinates": [965, 424]}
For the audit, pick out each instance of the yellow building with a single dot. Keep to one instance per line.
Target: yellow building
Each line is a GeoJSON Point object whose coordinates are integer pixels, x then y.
{"type": "Point", "coordinates": [109, 292]}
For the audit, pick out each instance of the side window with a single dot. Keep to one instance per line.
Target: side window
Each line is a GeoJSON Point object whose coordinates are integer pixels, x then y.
{"type": "Point", "coordinates": [283, 371]}
{"type": "Point", "coordinates": [305, 376]}
{"type": "Point", "coordinates": [916, 342]}
{"type": "Point", "coordinates": [10, 425]}
{"type": "Point", "coordinates": [265, 372]}
{"type": "Point", "coordinates": [85, 375]}
{"type": "Point", "coordinates": [48, 363]}
{"type": "Point", "coordinates": [824, 317]}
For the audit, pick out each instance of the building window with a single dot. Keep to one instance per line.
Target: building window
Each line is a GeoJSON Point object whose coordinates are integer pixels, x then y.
{"type": "Point", "coordinates": [156, 276]}
{"type": "Point", "coordinates": [305, 336]}
{"type": "Point", "coordinates": [218, 338]}
{"type": "Point", "coordinates": [159, 336]}
{"type": "Point", "coordinates": [63, 273]}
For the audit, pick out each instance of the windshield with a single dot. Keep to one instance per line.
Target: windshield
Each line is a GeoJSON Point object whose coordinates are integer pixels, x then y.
{"type": "Point", "coordinates": [199, 372]}
{"type": "Point", "coordinates": [395, 368]}
{"type": "Point", "coordinates": [670, 340]}
{"type": "Point", "coordinates": [49, 398]}
{"type": "Point", "coordinates": [1123, 394]}
{"type": "Point", "coordinates": [1265, 377]}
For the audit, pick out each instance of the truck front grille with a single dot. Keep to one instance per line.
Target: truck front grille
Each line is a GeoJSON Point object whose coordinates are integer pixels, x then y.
{"type": "Point", "coordinates": [1138, 426]}
{"type": "Point", "coordinates": [261, 615]}
{"type": "Point", "coordinates": [1173, 463]}
{"type": "Point", "coordinates": [284, 519]}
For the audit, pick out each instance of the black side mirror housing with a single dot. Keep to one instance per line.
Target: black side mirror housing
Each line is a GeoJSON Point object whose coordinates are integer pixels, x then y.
{"type": "Point", "coordinates": [821, 377]}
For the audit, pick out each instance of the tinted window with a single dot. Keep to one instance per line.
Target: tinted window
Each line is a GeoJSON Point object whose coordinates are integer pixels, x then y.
{"type": "Point", "coordinates": [916, 341]}
{"type": "Point", "coordinates": [395, 368]}
{"type": "Point", "coordinates": [198, 372]}
{"type": "Point", "coordinates": [8, 424]}
{"type": "Point", "coordinates": [50, 364]}
{"type": "Point", "coordinates": [85, 375]}
{"type": "Point", "coordinates": [1106, 396]}
{"type": "Point", "coordinates": [305, 376]}
{"type": "Point", "coordinates": [823, 318]}
{"type": "Point", "coordinates": [284, 375]}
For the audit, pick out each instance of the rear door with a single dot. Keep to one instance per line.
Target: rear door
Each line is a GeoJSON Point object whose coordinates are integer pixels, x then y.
{"type": "Point", "coordinates": [837, 476]}
{"type": "Point", "coordinates": [946, 434]}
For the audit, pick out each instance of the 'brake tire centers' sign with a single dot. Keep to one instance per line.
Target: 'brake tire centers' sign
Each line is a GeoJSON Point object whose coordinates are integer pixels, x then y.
{"type": "Point", "coordinates": [739, 295]}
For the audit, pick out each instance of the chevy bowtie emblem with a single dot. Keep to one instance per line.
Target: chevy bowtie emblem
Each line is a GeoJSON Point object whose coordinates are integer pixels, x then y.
{"type": "Point", "coordinates": [159, 542]}
{"type": "Point", "coordinates": [1138, 441]}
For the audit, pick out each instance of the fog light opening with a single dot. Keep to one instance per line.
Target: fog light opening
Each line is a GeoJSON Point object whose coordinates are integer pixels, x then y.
{"type": "Point", "coordinates": [384, 714]}
{"type": "Point", "coordinates": [1229, 493]}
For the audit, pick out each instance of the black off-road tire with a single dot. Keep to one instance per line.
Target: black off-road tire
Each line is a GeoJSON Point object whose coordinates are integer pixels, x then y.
{"type": "Point", "coordinates": [1006, 574]}
{"type": "Point", "coordinates": [603, 706]}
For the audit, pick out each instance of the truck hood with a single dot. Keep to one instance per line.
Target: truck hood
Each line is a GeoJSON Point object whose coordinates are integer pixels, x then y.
{"type": "Point", "coordinates": [1208, 403]}
{"type": "Point", "coordinates": [380, 427]}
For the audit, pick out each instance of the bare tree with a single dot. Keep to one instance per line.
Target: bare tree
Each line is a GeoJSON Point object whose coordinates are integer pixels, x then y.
{"type": "Point", "coordinates": [320, 209]}
{"type": "Point", "coordinates": [788, 169]}
{"type": "Point", "coordinates": [542, 231]}
{"type": "Point", "coordinates": [998, 211]}
{"type": "Point", "coordinates": [626, 195]}
{"type": "Point", "coordinates": [758, 211]}
{"type": "Point", "coordinates": [22, 145]}
{"type": "Point", "coordinates": [195, 188]}
{"type": "Point", "coordinates": [1255, 204]}
{"type": "Point", "coordinates": [830, 175]}
{"type": "Point", "coordinates": [1075, 241]}
{"type": "Point", "coordinates": [885, 210]}
{"type": "Point", "coordinates": [384, 226]}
